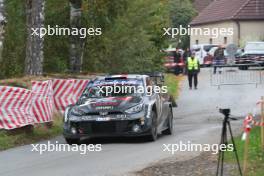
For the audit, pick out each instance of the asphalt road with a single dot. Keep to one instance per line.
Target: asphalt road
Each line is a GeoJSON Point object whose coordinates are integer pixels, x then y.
{"type": "Point", "coordinates": [196, 120]}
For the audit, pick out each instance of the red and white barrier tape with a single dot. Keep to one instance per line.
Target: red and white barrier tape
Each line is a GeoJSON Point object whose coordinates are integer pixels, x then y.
{"type": "Point", "coordinates": [247, 126]}
{"type": "Point", "coordinates": [20, 107]}
{"type": "Point", "coordinates": [248, 123]}
{"type": "Point", "coordinates": [42, 101]}
{"type": "Point", "coordinates": [79, 86]}
{"type": "Point", "coordinates": [62, 90]}
{"type": "Point", "coordinates": [15, 107]}
{"type": "Point", "coordinates": [67, 92]}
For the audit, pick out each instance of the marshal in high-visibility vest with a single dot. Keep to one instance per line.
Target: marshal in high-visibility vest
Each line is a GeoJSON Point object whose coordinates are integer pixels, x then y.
{"type": "Point", "coordinates": [193, 68]}
{"type": "Point", "coordinates": [193, 64]}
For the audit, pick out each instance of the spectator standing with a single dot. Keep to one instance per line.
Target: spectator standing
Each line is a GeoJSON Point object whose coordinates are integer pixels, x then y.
{"type": "Point", "coordinates": [219, 59]}
{"type": "Point", "coordinates": [193, 69]}
{"type": "Point", "coordinates": [187, 53]}
{"type": "Point", "coordinates": [177, 60]}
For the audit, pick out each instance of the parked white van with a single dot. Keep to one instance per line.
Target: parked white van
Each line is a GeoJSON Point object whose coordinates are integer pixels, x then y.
{"type": "Point", "coordinates": [201, 51]}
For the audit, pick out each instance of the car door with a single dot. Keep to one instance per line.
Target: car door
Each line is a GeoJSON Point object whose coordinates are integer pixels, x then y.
{"type": "Point", "coordinates": [160, 103]}
{"type": "Point", "coordinates": [156, 97]}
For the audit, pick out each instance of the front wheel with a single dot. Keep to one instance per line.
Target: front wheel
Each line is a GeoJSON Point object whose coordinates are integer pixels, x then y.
{"type": "Point", "coordinates": [154, 129]}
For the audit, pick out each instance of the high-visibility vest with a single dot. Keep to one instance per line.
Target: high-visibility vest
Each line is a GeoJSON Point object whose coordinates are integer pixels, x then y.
{"type": "Point", "coordinates": [192, 64]}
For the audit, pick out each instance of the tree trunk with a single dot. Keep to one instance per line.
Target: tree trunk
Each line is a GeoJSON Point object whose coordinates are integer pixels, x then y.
{"type": "Point", "coordinates": [34, 45]}
{"type": "Point", "coordinates": [2, 25]}
{"type": "Point", "coordinates": [76, 43]}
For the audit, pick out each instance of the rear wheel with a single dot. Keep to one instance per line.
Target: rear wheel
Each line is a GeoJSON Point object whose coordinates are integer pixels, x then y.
{"type": "Point", "coordinates": [154, 129]}
{"type": "Point", "coordinates": [169, 129]}
{"type": "Point", "coordinates": [71, 141]}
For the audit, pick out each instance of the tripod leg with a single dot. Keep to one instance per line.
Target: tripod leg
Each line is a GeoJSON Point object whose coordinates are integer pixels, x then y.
{"type": "Point", "coordinates": [235, 150]}
{"type": "Point", "coordinates": [223, 153]}
{"type": "Point", "coordinates": [220, 153]}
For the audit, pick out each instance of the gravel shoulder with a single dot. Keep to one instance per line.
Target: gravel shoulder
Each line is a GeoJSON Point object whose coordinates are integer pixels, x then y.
{"type": "Point", "coordinates": [204, 164]}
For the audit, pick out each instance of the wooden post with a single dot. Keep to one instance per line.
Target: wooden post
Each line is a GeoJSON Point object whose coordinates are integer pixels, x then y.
{"type": "Point", "coordinates": [245, 155]}
{"type": "Point", "coordinates": [262, 121]}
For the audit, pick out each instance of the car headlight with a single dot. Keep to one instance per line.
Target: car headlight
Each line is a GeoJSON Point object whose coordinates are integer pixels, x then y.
{"type": "Point", "coordinates": [135, 109]}
{"type": "Point", "coordinates": [77, 112]}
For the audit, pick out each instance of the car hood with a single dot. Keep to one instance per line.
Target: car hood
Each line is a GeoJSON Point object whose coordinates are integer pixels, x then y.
{"type": "Point", "coordinates": [107, 104]}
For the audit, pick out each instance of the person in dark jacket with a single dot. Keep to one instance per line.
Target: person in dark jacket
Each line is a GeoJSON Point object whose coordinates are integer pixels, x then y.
{"type": "Point", "coordinates": [219, 59]}
{"type": "Point", "coordinates": [187, 53]}
{"type": "Point", "coordinates": [177, 60]}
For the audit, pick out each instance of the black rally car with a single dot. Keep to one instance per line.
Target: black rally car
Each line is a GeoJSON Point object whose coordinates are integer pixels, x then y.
{"type": "Point", "coordinates": [102, 112]}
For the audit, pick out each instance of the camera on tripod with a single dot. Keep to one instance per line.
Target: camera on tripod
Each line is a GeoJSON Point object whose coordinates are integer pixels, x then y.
{"type": "Point", "coordinates": [226, 112]}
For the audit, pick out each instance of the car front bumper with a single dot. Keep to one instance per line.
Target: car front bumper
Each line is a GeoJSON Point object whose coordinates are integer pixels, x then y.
{"type": "Point", "coordinates": [136, 126]}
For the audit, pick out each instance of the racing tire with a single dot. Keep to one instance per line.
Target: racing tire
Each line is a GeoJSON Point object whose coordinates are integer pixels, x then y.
{"type": "Point", "coordinates": [154, 128]}
{"type": "Point", "coordinates": [71, 141]}
{"type": "Point", "coordinates": [169, 129]}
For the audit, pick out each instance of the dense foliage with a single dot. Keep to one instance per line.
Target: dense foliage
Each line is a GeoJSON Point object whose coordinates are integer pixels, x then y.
{"type": "Point", "coordinates": [12, 62]}
{"type": "Point", "coordinates": [131, 39]}
{"type": "Point", "coordinates": [181, 13]}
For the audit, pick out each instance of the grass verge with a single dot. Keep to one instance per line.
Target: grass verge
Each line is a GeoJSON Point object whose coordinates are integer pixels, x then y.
{"type": "Point", "coordinates": [255, 154]}
{"type": "Point", "coordinates": [172, 81]}
{"type": "Point", "coordinates": [18, 137]}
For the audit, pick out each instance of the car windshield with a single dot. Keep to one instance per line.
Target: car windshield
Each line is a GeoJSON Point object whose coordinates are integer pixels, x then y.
{"type": "Point", "coordinates": [255, 46]}
{"type": "Point", "coordinates": [114, 88]}
{"type": "Point", "coordinates": [208, 47]}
